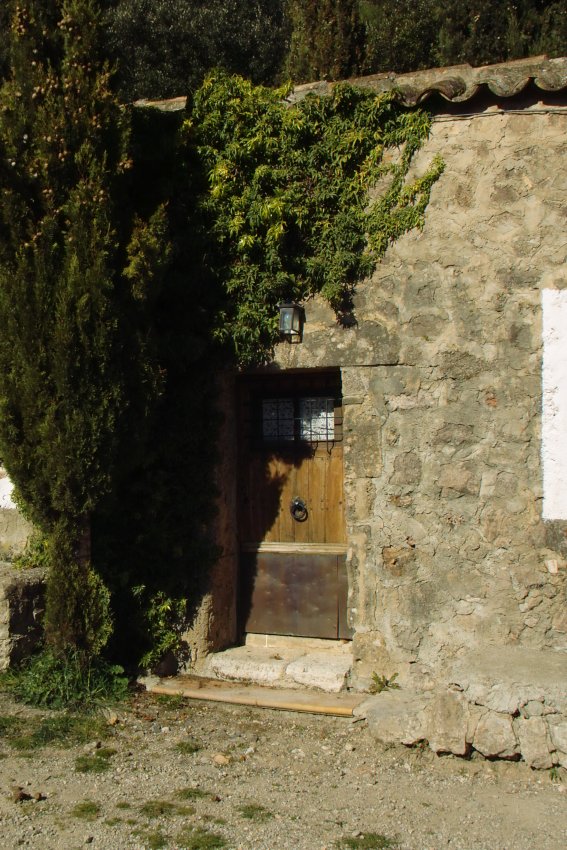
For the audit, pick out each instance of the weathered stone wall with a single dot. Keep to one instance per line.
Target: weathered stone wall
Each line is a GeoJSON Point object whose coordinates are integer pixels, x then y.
{"type": "Point", "coordinates": [14, 530]}
{"type": "Point", "coordinates": [214, 626]}
{"type": "Point", "coordinates": [22, 597]}
{"type": "Point", "coordinates": [442, 398]}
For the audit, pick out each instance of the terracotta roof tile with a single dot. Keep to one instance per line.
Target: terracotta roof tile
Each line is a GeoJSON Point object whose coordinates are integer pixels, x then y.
{"type": "Point", "coordinates": [459, 82]}
{"type": "Point", "coordinates": [456, 84]}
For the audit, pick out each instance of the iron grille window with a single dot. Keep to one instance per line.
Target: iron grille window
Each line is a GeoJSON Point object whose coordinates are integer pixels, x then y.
{"type": "Point", "coordinates": [278, 419]}
{"type": "Point", "coordinates": [310, 419]}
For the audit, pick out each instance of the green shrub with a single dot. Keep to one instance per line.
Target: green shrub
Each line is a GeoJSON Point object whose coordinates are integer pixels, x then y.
{"type": "Point", "coordinates": [66, 680]}
{"type": "Point", "coordinates": [383, 683]}
{"type": "Point", "coordinates": [35, 554]}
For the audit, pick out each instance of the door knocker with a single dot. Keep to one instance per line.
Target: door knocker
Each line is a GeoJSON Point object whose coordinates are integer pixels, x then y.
{"type": "Point", "coordinates": [298, 510]}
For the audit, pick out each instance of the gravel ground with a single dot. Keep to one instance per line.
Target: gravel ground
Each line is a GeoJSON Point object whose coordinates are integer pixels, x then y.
{"type": "Point", "coordinates": [163, 772]}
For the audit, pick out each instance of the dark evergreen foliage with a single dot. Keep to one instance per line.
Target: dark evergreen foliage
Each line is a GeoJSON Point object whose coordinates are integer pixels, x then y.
{"type": "Point", "coordinates": [164, 48]}
{"type": "Point", "coordinates": [405, 35]}
{"type": "Point", "coordinates": [78, 373]}
{"type": "Point", "coordinates": [399, 35]}
{"type": "Point", "coordinates": [326, 41]}
{"type": "Point", "coordinates": [482, 32]}
{"type": "Point", "coordinates": [152, 535]}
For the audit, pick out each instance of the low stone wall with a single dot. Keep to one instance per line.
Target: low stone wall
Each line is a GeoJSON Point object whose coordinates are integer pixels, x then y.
{"type": "Point", "coordinates": [506, 703]}
{"type": "Point", "coordinates": [22, 594]}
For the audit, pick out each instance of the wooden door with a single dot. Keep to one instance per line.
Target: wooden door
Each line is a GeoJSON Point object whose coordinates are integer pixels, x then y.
{"type": "Point", "coordinates": [291, 523]}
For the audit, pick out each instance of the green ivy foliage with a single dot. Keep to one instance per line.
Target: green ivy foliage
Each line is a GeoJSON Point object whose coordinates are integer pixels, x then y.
{"type": "Point", "coordinates": [289, 202]}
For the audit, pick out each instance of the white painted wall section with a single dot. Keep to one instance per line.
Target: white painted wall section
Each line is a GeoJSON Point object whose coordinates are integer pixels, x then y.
{"type": "Point", "coordinates": [6, 490]}
{"type": "Point", "coordinates": [554, 404]}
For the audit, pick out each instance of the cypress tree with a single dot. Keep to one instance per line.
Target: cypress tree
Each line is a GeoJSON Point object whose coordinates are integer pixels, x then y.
{"type": "Point", "coordinates": [77, 368]}
{"type": "Point", "coordinates": [326, 40]}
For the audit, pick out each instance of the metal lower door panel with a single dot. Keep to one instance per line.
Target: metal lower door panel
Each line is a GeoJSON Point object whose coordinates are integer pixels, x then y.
{"type": "Point", "coordinates": [293, 594]}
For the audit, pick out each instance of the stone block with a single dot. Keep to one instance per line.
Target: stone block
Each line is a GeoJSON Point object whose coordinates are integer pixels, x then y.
{"type": "Point", "coordinates": [533, 708]}
{"type": "Point", "coordinates": [396, 717]}
{"type": "Point", "coordinates": [459, 478]}
{"type": "Point", "coordinates": [447, 718]}
{"type": "Point", "coordinates": [407, 469]}
{"type": "Point", "coordinates": [535, 743]}
{"type": "Point", "coordinates": [454, 435]}
{"type": "Point", "coordinates": [558, 733]}
{"type": "Point", "coordinates": [505, 678]}
{"type": "Point", "coordinates": [494, 736]}
{"type": "Point", "coordinates": [246, 664]}
{"type": "Point", "coordinates": [321, 670]}
{"type": "Point", "coordinates": [398, 560]}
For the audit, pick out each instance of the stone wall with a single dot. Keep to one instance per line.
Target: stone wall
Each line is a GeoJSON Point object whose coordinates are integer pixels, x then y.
{"type": "Point", "coordinates": [22, 597]}
{"type": "Point", "coordinates": [14, 530]}
{"type": "Point", "coordinates": [214, 626]}
{"type": "Point", "coordinates": [442, 397]}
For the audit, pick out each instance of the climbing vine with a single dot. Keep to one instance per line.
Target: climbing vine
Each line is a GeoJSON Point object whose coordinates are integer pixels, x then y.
{"type": "Point", "coordinates": [289, 203]}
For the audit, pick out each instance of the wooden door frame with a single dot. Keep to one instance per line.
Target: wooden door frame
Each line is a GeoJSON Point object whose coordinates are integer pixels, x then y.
{"type": "Point", "coordinates": [251, 388]}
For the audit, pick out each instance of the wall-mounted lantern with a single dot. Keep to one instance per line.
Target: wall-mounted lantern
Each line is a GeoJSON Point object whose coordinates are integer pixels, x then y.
{"type": "Point", "coordinates": [292, 318]}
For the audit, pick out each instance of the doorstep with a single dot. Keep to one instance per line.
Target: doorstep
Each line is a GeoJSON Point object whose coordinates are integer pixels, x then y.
{"type": "Point", "coordinates": [283, 662]}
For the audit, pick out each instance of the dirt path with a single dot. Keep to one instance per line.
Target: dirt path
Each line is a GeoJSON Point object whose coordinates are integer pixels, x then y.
{"type": "Point", "coordinates": [179, 774]}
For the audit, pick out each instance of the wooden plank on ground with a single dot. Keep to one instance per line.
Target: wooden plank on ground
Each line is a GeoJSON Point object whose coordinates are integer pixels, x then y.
{"type": "Point", "coordinates": [312, 702]}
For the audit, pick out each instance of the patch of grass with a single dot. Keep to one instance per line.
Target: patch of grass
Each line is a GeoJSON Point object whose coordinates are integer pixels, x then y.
{"type": "Point", "coordinates": [106, 752]}
{"type": "Point", "coordinates": [98, 762]}
{"type": "Point", "coordinates": [91, 764]}
{"type": "Point", "coordinates": [163, 808]}
{"type": "Point", "coordinates": [368, 841]}
{"type": "Point", "coordinates": [187, 747]}
{"type": "Point", "coordinates": [172, 702]}
{"type": "Point", "coordinates": [9, 724]}
{"type": "Point", "coordinates": [196, 838]}
{"type": "Point", "coordinates": [87, 810]}
{"type": "Point", "coordinates": [211, 819]}
{"type": "Point", "coordinates": [253, 811]}
{"type": "Point", "coordinates": [112, 821]}
{"type": "Point", "coordinates": [61, 730]}
{"type": "Point", "coordinates": [192, 794]}
{"type": "Point", "coordinates": [153, 840]}
{"type": "Point", "coordinates": [69, 680]}
{"type": "Point", "coordinates": [123, 805]}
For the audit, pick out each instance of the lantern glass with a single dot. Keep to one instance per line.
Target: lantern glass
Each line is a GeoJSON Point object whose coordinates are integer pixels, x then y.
{"type": "Point", "coordinates": [290, 319]}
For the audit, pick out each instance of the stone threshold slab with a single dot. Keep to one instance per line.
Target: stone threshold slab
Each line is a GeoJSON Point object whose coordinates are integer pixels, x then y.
{"type": "Point", "coordinates": [312, 702]}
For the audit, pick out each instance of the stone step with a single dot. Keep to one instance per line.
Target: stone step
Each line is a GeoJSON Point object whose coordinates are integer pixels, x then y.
{"type": "Point", "coordinates": [288, 665]}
